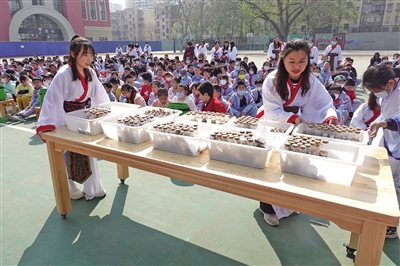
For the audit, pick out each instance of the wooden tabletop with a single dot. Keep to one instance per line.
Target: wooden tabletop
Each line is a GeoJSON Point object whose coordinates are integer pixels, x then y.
{"type": "Point", "coordinates": [371, 197]}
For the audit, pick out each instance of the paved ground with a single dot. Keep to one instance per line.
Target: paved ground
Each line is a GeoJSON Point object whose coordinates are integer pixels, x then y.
{"type": "Point", "coordinates": [150, 220]}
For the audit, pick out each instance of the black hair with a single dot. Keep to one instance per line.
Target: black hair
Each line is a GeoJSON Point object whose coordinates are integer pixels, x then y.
{"type": "Point", "coordinates": [157, 83]}
{"type": "Point", "coordinates": [162, 92]}
{"type": "Point", "coordinates": [207, 69]}
{"type": "Point", "coordinates": [217, 70]}
{"type": "Point", "coordinates": [107, 84]}
{"type": "Point", "coordinates": [147, 76]}
{"type": "Point", "coordinates": [206, 87]}
{"type": "Point", "coordinates": [232, 45]}
{"type": "Point", "coordinates": [114, 81]}
{"type": "Point", "coordinates": [77, 44]}
{"type": "Point", "coordinates": [185, 87]}
{"type": "Point", "coordinates": [127, 77]}
{"type": "Point", "coordinates": [372, 101]}
{"type": "Point", "coordinates": [217, 88]}
{"type": "Point", "coordinates": [240, 83]}
{"type": "Point", "coordinates": [259, 81]}
{"type": "Point", "coordinates": [336, 88]}
{"type": "Point", "coordinates": [195, 84]}
{"type": "Point", "coordinates": [377, 77]}
{"type": "Point", "coordinates": [350, 82]}
{"type": "Point", "coordinates": [130, 88]}
{"type": "Point", "coordinates": [282, 75]}
{"type": "Point", "coordinates": [23, 78]}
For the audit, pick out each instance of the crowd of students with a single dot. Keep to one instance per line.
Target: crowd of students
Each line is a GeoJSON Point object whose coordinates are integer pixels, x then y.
{"type": "Point", "coordinates": [291, 86]}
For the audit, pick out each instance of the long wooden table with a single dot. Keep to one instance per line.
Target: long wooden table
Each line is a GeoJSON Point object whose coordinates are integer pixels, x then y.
{"type": "Point", "coordinates": [365, 208]}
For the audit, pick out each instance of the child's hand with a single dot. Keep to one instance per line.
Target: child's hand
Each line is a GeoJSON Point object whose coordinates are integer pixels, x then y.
{"type": "Point", "coordinates": [299, 120]}
{"type": "Point", "coordinates": [374, 127]}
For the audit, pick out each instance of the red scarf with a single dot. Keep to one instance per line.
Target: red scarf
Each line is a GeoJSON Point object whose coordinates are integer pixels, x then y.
{"type": "Point", "coordinates": [84, 83]}
{"type": "Point", "coordinates": [293, 91]}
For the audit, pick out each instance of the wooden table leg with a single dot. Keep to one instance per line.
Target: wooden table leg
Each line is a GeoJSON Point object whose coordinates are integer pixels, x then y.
{"type": "Point", "coordinates": [59, 177]}
{"type": "Point", "coordinates": [3, 111]}
{"type": "Point", "coordinates": [14, 107]}
{"type": "Point", "coordinates": [353, 242]}
{"type": "Point", "coordinates": [371, 242]}
{"type": "Point", "coordinates": [123, 172]}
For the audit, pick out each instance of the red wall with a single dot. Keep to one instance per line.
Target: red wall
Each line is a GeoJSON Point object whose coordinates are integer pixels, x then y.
{"type": "Point", "coordinates": [73, 13]}
{"type": "Point", "coordinates": [5, 21]}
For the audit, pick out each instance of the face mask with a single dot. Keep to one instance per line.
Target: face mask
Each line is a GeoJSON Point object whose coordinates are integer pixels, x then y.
{"type": "Point", "coordinates": [148, 60]}
{"type": "Point", "coordinates": [137, 62]}
{"type": "Point", "coordinates": [48, 81]}
{"type": "Point", "coordinates": [251, 72]}
{"type": "Point", "coordinates": [259, 88]}
{"type": "Point", "coordinates": [333, 42]}
{"type": "Point", "coordinates": [242, 76]}
{"type": "Point", "coordinates": [378, 101]}
{"type": "Point", "coordinates": [241, 93]}
{"type": "Point", "coordinates": [266, 67]}
{"type": "Point", "coordinates": [341, 85]}
{"type": "Point", "coordinates": [310, 44]}
{"type": "Point", "coordinates": [316, 74]}
{"type": "Point", "coordinates": [188, 62]}
{"type": "Point", "coordinates": [3, 80]}
{"type": "Point", "coordinates": [178, 67]}
{"type": "Point", "coordinates": [180, 95]}
{"type": "Point", "coordinates": [381, 95]}
{"type": "Point", "coordinates": [336, 96]}
{"type": "Point", "coordinates": [168, 79]}
{"type": "Point", "coordinates": [237, 67]}
{"type": "Point", "coordinates": [223, 82]}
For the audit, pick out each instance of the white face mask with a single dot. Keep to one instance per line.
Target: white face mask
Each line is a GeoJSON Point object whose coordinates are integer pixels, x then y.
{"type": "Point", "coordinates": [259, 88]}
{"type": "Point", "coordinates": [266, 67]}
{"type": "Point", "coordinates": [341, 85]}
{"type": "Point", "coordinates": [3, 80]}
{"type": "Point", "coordinates": [48, 81]}
{"type": "Point", "coordinates": [378, 101]}
{"type": "Point", "coordinates": [336, 96]}
{"type": "Point", "coordinates": [223, 82]}
{"type": "Point", "coordinates": [168, 79]}
{"type": "Point", "coordinates": [251, 72]}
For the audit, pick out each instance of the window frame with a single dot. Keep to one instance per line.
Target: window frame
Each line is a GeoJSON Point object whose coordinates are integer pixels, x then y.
{"type": "Point", "coordinates": [90, 10]}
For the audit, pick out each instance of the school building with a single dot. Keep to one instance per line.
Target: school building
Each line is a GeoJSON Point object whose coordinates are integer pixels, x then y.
{"type": "Point", "coordinates": [54, 20]}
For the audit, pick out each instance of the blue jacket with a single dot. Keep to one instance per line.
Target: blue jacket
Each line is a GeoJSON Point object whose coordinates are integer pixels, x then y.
{"type": "Point", "coordinates": [234, 101]}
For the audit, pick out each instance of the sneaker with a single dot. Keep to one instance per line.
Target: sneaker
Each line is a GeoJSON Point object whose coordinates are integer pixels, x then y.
{"type": "Point", "coordinates": [391, 232]}
{"type": "Point", "coordinates": [270, 219]}
{"type": "Point", "coordinates": [15, 117]}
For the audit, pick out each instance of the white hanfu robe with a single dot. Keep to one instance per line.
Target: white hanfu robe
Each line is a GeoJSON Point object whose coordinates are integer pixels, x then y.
{"type": "Point", "coordinates": [314, 55]}
{"type": "Point", "coordinates": [233, 54]}
{"type": "Point", "coordinates": [337, 50]}
{"type": "Point", "coordinates": [147, 50]}
{"type": "Point", "coordinates": [363, 117]}
{"type": "Point", "coordinates": [118, 51]}
{"type": "Point", "coordinates": [271, 48]}
{"type": "Point", "coordinates": [62, 89]}
{"type": "Point", "coordinates": [315, 106]}
{"type": "Point", "coordinates": [202, 52]}
{"type": "Point", "coordinates": [216, 53]}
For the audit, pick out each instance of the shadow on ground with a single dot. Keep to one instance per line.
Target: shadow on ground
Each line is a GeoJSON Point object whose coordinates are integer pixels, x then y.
{"type": "Point", "coordinates": [112, 240]}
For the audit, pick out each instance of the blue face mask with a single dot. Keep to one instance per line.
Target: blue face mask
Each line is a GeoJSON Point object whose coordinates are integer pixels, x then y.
{"type": "Point", "coordinates": [241, 93]}
{"type": "Point", "coordinates": [180, 95]}
{"type": "Point", "coordinates": [382, 94]}
{"type": "Point", "coordinates": [237, 68]}
{"type": "Point", "coordinates": [333, 42]}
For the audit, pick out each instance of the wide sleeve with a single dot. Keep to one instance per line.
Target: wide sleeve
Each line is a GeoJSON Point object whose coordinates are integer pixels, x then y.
{"type": "Point", "coordinates": [358, 117]}
{"type": "Point", "coordinates": [327, 49]}
{"type": "Point", "coordinates": [273, 104]}
{"type": "Point", "coordinates": [98, 94]}
{"type": "Point", "coordinates": [270, 48]}
{"type": "Point", "coordinates": [191, 104]}
{"type": "Point", "coordinates": [339, 54]}
{"type": "Point", "coordinates": [140, 101]}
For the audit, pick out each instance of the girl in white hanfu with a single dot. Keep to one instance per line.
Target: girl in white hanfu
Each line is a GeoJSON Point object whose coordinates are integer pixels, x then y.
{"type": "Point", "coordinates": [70, 90]}
{"type": "Point", "coordinates": [292, 94]}
{"type": "Point", "coordinates": [275, 48]}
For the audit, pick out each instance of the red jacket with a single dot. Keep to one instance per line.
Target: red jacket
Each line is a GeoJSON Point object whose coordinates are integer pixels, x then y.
{"type": "Point", "coordinates": [214, 105]}
{"type": "Point", "coordinates": [145, 91]}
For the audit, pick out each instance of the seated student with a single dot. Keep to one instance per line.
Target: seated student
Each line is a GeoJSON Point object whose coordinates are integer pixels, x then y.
{"type": "Point", "coordinates": [350, 89]}
{"type": "Point", "coordinates": [190, 71]}
{"type": "Point", "coordinates": [367, 113]}
{"type": "Point", "coordinates": [206, 75]}
{"type": "Point", "coordinates": [108, 87]}
{"type": "Point", "coordinates": [231, 66]}
{"type": "Point", "coordinates": [241, 78]}
{"type": "Point", "coordinates": [257, 93]}
{"type": "Point", "coordinates": [131, 95]}
{"type": "Point", "coordinates": [115, 75]}
{"type": "Point", "coordinates": [47, 79]}
{"type": "Point", "coordinates": [155, 86]}
{"type": "Point", "coordinates": [242, 104]}
{"type": "Point", "coordinates": [210, 103]}
{"type": "Point", "coordinates": [317, 73]}
{"type": "Point", "coordinates": [168, 80]}
{"type": "Point", "coordinates": [158, 77]}
{"type": "Point", "coordinates": [226, 88]}
{"type": "Point", "coordinates": [181, 96]}
{"type": "Point", "coordinates": [218, 96]}
{"type": "Point", "coordinates": [173, 87]}
{"type": "Point", "coordinates": [162, 100]}
{"type": "Point", "coordinates": [214, 81]}
{"type": "Point", "coordinates": [30, 109]}
{"type": "Point", "coordinates": [184, 77]}
{"type": "Point", "coordinates": [195, 95]}
{"type": "Point", "coordinates": [253, 76]}
{"type": "Point", "coordinates": [9, 85]}
{"type": "Point", "coordinates": [340, 102]}
{"type": "Point", "coordinates": [146, 88]}
{"type": "Point", "coordinates": [116, 88]}
{"type": "Point", "coordinates": [23, 93]}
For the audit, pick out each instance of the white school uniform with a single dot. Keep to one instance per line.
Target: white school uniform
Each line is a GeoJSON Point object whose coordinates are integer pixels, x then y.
{"type": "Point", "coordinates": [133, 53]}
{"type": "Point", "coordinates": [363, 117]}
{"type": "Point", "coordinates": [202, 52]}
{"type": "Point", "coordinates": [216, 53]}
{"type": "Point", "coordinates": [188, 100]}
{"type": "Point", "coordinates": [196, 52]}
{"type": "Point", "coordinates": [118, 50]}
{"type": "Point", "coordinates": [62, 89]}
{"type": "Point", "coordinates": [271, 48]}
{"type": "Point", "coordinates": [147, 50]}
{"type": "Point", "coordinates": [314, 55]}
{"type": "Point", "coordinates": [315, 106]}
{"type": "Point", "coordinates": [337, 50]}
{"type": "Point", "coordinates": [233, 54]}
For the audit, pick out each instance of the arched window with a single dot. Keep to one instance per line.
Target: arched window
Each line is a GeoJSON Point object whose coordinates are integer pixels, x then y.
{"type": "Point", "coordinates": [39, 28]}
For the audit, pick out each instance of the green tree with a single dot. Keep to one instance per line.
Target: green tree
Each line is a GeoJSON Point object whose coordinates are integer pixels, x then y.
{"type": "Point", "coordinates": [281, 14]}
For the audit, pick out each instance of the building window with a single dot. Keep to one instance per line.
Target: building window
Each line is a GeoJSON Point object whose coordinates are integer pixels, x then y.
{"type": "Point", "coordinates": [92, 8]}
{"type": "Point", "coordinates": [84, 12]}
{"type": "Point", "coordinates": [14, 6]}
{"type": "Point", "coordinates": [39, 28]}
{"type": "Point", "coordinates": [103, 39]}
{"type": "Point", "coordinates": [57, 5]}
{"type": "Point", "coordinates": [89, 38]}
{"type": "Point", "coordinates": [387, 20]}
{"type": "Point", "coordinates": [37, 3]}
{"type": "Point", "coordinates": [389, 7]}
{"type": "Point", "coordinates": [346, 26]}
{"type": "Point", "coordinates": [102, 9]}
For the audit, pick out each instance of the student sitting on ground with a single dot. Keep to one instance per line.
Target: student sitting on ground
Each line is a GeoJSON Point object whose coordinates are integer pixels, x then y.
{"type": "Point", "coordinates": [182, 96]}
{"type": "Point", "coordinates": [132, 95]}
{"type": "Point", "coordinates": [108, 87]}
{"type": "Point", "coordinates": [155, 86]}
{"type": "Point", "coordinates": [162, 100]}
{"type": "Point", "coordinates": [24, 93]}
{"type": "Point", "coordinates": [210, 103]}
{"type": "Point", "coordinates": [196, 95]}
{"type": "Point", "coordinates": [218, 96]}
{"type": "Point", "coordinates": [367, 113]}
{"type": "Point", "coordinates": [257, 93]}
{"type": "Point", "coordinates": [242, 104]}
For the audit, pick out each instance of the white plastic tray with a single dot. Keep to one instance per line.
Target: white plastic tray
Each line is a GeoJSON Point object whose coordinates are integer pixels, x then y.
{"type": "Point", "coordinates": [171, 117]}
{"type": "Point", "coordinates": [364, 138]}
{"type": "Point", "coordinates": [185, 117]}
{"type": "Point", "coordinates": [241, 154]}
{"type": "Point", "coordinates": [340, 166]}
{"type": "Point", "coordinates": [265, 126]}
{"type": "Point", "coordinates": [77, 121]}
{"type": "Point", "coordinates": [191, 146]}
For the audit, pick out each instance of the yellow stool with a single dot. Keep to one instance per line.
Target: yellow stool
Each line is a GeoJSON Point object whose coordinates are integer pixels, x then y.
{"type": "Point", "coordinates": [37, 111]}
{"type": "Point", "coordinates": [3, 108]}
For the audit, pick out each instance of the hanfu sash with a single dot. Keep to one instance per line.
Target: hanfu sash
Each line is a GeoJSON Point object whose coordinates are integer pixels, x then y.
{"type": "Point", "coordinates": [293, 94]}
{"type": "Point", "coordinates": [377, 113]}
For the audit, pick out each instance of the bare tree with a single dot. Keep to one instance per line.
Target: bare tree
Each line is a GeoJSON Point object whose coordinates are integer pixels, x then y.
{"type": "Point", "coordinates": [150, 31]}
